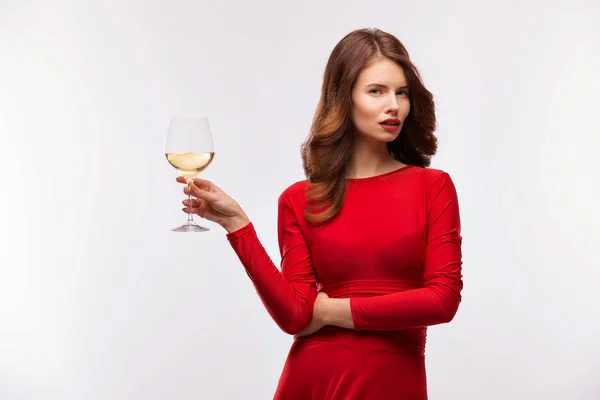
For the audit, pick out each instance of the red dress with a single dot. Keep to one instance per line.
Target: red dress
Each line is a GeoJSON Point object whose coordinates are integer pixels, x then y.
{"type": "Point", "coordinates": [395, 251]}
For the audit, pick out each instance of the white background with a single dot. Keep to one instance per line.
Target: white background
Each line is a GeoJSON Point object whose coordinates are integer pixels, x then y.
{"type": "Point", "coordinates": [100, 300]}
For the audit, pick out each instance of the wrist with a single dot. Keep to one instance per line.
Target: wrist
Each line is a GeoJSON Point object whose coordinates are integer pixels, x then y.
{"type": "Point", "coordinates": [337, 312]}
{"type": "Point", "coordinates": [235, 223]}
{"type": "Point", "coordinates": [327, 311]}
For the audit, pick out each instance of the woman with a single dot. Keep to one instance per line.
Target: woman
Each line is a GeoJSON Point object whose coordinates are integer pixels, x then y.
{"type": "Point", "coordinates": [370, 242]}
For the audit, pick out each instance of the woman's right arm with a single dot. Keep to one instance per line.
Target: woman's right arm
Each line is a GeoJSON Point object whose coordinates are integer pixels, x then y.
{"type": "Point", "coordinates": [288, 295]}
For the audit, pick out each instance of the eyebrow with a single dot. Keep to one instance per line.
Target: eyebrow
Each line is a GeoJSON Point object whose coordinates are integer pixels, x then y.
{"type": "Point", "coordinates": [382, 85]}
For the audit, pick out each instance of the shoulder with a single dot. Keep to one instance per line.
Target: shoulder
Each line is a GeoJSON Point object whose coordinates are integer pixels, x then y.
{"type": "Point", "coordinates": [430, 176]}
{"type": "Point", "coordinates": [295, 189]}
{"type": "Point", "coordinates": [292, 202]}
{"type": "Point", "coordinates": [428, 173]}
{"type": "Point", "coordinates": [438, 175]}
{"type": "Point", "coordinates": [433, 183]}
{"type": "Point", "coordinates": [438, 186]}
{"type": "Point", "coordinates": [294, 194]}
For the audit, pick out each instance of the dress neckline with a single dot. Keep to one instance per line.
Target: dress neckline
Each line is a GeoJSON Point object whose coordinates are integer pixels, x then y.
{"type": "Point", "coordinates": [374, 177]}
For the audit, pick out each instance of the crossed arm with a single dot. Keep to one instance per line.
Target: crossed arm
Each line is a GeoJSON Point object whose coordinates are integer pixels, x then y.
{"type": "Point", "coordinates": [290, 295]}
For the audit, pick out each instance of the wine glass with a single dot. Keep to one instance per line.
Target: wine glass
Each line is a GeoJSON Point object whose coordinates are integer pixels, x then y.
{"type": "Point", "coordinates": [190, 148]}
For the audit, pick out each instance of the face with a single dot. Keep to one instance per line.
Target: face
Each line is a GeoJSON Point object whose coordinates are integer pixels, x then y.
{"type": "Point", "coordinates": [380, 101]}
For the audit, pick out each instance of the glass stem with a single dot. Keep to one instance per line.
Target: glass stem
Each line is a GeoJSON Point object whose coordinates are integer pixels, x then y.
{"type": "Point", "coordinates": [190, 218]}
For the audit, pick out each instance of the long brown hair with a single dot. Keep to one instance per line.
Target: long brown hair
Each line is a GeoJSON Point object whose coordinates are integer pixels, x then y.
{"type": "Point", "coordinates": [329, 147]}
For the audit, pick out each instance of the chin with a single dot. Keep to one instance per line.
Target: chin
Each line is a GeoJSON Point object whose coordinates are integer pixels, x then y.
{"type": "Point", "coordinates": [388, 137]}
{"type": "Point", "coordinates": [379, 136]}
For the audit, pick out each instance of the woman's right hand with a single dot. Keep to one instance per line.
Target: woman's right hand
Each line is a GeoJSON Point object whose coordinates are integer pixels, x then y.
{"type": "Point", "coordinates": [211, 203]}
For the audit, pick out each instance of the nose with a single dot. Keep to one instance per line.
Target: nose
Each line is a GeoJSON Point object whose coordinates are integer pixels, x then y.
{"type": "Point", "coordinates": [393, 107]}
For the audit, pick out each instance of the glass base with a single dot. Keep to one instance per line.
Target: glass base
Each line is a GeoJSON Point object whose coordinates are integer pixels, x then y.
{"type": "Point", "coordinates": [190, 226]}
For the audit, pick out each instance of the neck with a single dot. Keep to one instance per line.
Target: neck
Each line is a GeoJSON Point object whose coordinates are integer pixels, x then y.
{"type": "Point", "coordinates": [371, 159]}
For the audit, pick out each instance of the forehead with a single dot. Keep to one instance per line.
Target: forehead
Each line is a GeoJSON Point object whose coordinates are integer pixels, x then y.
{"type": "Point", "coordinates": [384, 72]}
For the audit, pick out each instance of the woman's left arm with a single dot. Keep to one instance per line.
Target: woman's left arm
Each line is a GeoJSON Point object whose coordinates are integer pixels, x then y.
{"type": "Point", "coordinates": [437, 302]}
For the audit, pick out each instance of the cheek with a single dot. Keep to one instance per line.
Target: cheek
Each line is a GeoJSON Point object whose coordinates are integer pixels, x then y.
{"type": "Point", "coordinates": [366, 110]}
{"type": "Point", "coordinates": [363, 120]}
{"type": "Point", "coordinates": [405, 108]}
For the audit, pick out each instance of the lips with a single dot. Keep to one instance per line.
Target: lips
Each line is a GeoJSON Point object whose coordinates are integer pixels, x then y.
{"type": "Point", "coordinates": [390, 124]}
{"type": "Point", "coordinates": [391, 121]}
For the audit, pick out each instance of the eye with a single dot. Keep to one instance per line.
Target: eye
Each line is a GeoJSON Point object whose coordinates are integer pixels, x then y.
{"type": "Point", "coordinates": [403, 92]}
{"type": "Point", "coordinates": [374, 90]}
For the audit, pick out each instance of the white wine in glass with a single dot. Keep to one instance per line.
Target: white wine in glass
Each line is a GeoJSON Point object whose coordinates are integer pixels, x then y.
{"type": "Point", "coordinates": [190, 148]}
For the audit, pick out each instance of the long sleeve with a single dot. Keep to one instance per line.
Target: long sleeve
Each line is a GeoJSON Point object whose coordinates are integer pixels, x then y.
{"type": "Point", "coordinates": [438, 300]}
{"type": "Point", "coordinates": [288, 295]}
